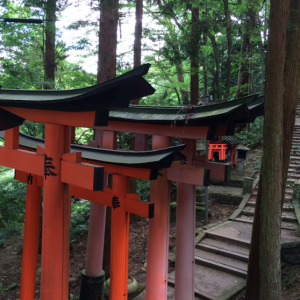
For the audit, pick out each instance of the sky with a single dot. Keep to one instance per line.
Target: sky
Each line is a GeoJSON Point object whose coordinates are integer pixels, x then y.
{"type": "Point", "coordinates": [83, 12]}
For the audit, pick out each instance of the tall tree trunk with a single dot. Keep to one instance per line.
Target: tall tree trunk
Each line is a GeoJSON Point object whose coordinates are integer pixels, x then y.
{"type": "Point", "coordinates": [172, 41]}
{"type": "Point", "coordinates": [217, 59]}
{"type": "Point", "coordinates": [49, 60]}
{"type": "Point", "coordinates": [291, 84]}
{"type": "Point", "coordinates": [137, 59]}
{"type": "Point", "coordinates": [243, 76]}
{"type": "Point", "coordinates": [108, 40]}
{"type": "Point", "coordinates": [107, 70]}
{"type": "Point", "coordinates": [205, 81]}
{"type": "Point", "coordinates": [264, 273]}
{"type": "Point", "coordinates": [195, 36]}
{"type": "Point", "coordinates": [229, 48]}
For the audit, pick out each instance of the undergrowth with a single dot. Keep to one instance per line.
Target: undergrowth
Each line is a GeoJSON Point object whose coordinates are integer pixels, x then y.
{"type": "Point", "coordinates": [252, 137]}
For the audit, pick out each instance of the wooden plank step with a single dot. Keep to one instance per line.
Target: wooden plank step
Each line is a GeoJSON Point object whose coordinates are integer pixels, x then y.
{"type": "Point", "coordinates": [223, 252]}
{"type": "Point", "coordinates": [220, 267]}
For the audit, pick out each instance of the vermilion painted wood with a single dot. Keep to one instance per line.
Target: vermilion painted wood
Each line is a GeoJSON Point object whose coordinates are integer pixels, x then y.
{"type": "Point", "coordinates": [103, 198]}
{"type": "Point", "coordinates": [132, 203]}
{"type": "Point", "coordinates": [185, 231]}
{"type": "Point", "coordinates": [158, 237]}
{"type": "Point", "coordinates": [12, 138]}
{"type": "Point", "coordinates": [217, 171]}
{"type": "Point", "coordinates": [73, 157]}
{"type": "Point", "coordinates": [22, 160]}
{"type": "Point", "coordinates": [186, 174]}
{"type": "Point", "coordinates": [81, 175]}
{"type": "Point", "coordinates": [66, 217]}
{"type": "Point", "coordinates": [98, 138]}
{"type": "Point", "coordinates": [221, 130]}
{"type": "Point", "coordinates": [97, 218]}
{"type": "Point", "coordinates": [162, 130]}
{"type": "Point", "coordinates": [119, 242]}
{"type": "Point", "coordinates": [73, 131]}
{"type": "Point", "coordinates": [109, 139]}
{"type": "Point", "coordinates": [141, 142]}
{"type": "Point", "coordinates": [56, 219]}
{"type": "Point", "coordinates": [122, 170]}
{"type": "Point", "coordinates": [78, 119]}
{"type": "Point", "coordinates": [30, 240]}
{"type": "Point", "coordinates": [137, 207]}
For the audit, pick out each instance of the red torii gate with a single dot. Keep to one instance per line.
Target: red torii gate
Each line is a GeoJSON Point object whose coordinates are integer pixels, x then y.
{"type": "Point", "coordinates": [56, 221]}
{"type": "Point", "coordinates": [128, 203]}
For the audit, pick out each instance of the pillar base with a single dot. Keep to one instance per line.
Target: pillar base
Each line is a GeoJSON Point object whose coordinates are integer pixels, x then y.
{"type": "Point", "coordinates": [92, 286]}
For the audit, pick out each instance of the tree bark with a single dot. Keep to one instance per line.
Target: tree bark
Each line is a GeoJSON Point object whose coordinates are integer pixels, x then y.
{"type": "Point", "coordinates": [205, 81]}
{"type": "Point", "coordinates": [107, 70]}
{"type": "Point", "coordinates": [291, 84]}
{"type": "Point", "coordinates": [217, 59]}
{"type": "Point", "coordinates": [108, 40]}
{"type": "Point", "coordinates": [195, 36]}
{"type": "Point", "coordinates": [243, 77]}
{"type": "Point", "coordinates": [172, 41]}
{"type": "Point", "coordinates": [137, 59]}
{"type": "Point", "coordinates": [229, 48]}
{"type": "Point", "coordinates": [49, 60]}
{"type": "Point", "coordinates": [264, 274]}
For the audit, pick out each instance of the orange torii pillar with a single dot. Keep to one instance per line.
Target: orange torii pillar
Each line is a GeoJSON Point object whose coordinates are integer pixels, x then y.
{"type": "Point", "coordinates": [119, 240]}
{"type": "Point", "coordinates": [31, 225]}
{"type": "Point", "coordinates": [56, 216]}
{"type": "Point", "coordinates": [93, 276]}
{"type": "Point", "coordinates": [158, 237]}
{"type": "Point", "coordinates": [31, 239]}
{"type": "Point", "coordinates": [185, 232]}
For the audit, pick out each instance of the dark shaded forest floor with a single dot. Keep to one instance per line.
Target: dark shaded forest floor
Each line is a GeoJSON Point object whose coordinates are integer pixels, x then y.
{"type": "Point", "coordinates": [11, 255]}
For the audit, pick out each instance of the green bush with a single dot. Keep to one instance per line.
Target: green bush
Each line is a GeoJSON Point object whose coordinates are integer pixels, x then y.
{"type": "Point", "coordinates": [79, 219]}
{"type": "Point", "coordinates": [12, 204]}
{"type": "Point", "coordinates": [252, 137]}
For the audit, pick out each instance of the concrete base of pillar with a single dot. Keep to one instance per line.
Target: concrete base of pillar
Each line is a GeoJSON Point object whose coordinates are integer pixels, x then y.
{"type": "Point", "coordinates": [92, 286]}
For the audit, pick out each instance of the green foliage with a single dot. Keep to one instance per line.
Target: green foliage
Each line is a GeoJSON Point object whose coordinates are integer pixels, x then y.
{"type": "Point", "coordinates": [79, 219]}
{"type": "Point", "coordinates": [252, 137]}
{"type": "Point", "coordinates": [12, 204]}
{"type": "Point", "coordinates": [33, 129]}
{"type": "Point", "coordinates": [143, 188]}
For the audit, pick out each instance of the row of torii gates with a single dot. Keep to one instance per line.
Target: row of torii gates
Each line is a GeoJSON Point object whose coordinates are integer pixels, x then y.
{"type": "Point", "coordinates": [62, 170]}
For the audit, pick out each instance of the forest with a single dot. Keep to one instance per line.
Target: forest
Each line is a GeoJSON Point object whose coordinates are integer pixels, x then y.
{"type": "Point", "coordinates": [200, 52]}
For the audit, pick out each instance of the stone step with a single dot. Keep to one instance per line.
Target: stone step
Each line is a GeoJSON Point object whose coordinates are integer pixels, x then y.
{"type": "Point", "coordinates": [221, 266]}
{"type": "Point", "coordinates": [284, 225]}
{"type": "Point", "coordinates": [213, 284]}
{"type": "Point", "coordinates": [294, 165]}
{"type": "Point", "coordinates": [293, 175]}
{"type": "Point", "coordinates": [286, 216]}
{"type": "Point", "coordinates": [286, 208]}
{"type": "Point", "coordinates": [292, 180]}
{"type": "Point", "coordinates": [225, 245]}
{"type": "Point", "coordinates": [222, 252]}
{"type": "Point", "coordinates": [236, 241]}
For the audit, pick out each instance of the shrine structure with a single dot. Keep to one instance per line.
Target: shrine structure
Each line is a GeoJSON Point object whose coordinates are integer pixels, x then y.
{"type": "Point", "coordinates": [63, 170]}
